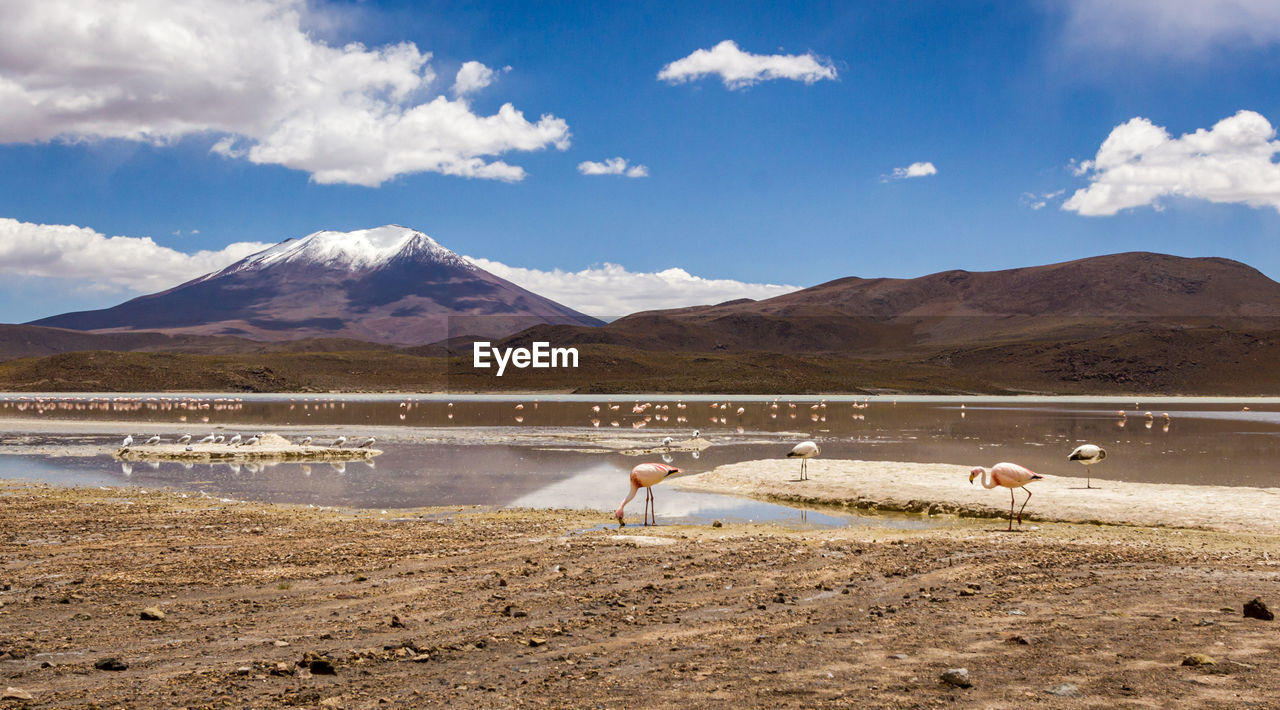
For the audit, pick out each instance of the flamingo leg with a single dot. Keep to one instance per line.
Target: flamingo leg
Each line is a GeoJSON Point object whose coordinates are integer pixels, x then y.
{"type": "Point", "coordinates": [1024, 503]}
{"type": "Point", "coordinates": [653, 508]}
{"type": "Point", "coordinates": [1088, 481]}
{"type": "Point", "coordinates": [1011, 511]}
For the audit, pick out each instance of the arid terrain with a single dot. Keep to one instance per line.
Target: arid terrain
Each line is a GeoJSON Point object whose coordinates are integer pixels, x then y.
{"type": "Point", "coordinates": [273, 606]}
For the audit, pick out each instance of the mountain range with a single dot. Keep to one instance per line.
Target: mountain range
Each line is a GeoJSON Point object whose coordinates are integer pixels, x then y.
{"type": "Point", "coordinates": [1131, 322]}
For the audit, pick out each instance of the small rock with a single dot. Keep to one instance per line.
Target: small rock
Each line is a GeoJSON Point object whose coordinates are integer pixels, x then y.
{"type": "Point", "coordinates": [1064, 690]}
{"type": "Point", "coordinates": [321, 666]}
{"type": "Point", "coordinates": [396, 623]}
{"type": "Point", "coordinates": [717, 524]}
{"type": "Point", "coordinates": [1206, 622]}
{"type": "Point", "coordinates": [281, 668]}
{"type": "Point", "coordinates": [1016, 612]}
{"type": "Point", "coordinates": [1199, 659]}
{"type": "Point", "coordinates": [1018, 640]}
{"type": "Point", "coordinates": [959, 677]}
{"type": "Point", "coordinates": [151, 613]}
{"type": "Point", "coordinates": [110, 664]}
{"type": "Point", "coordinates": [534, 642]}
{"type": "Point", "coordinates": [12, 693]}
{"type": "Point", "coordinates": [280, 644]}
{"type": "Point", "coordinates": [244, 670]}
{"type": "Point", "coordinates": [512, 611]}
{"type": "Point", "coordinates": [899, 656]}
{"type": "Point", "coordinates": [1257, 609]}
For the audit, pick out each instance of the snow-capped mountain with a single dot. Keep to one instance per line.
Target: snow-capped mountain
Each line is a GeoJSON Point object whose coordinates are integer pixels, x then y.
{"type": "Point", "coordinates": [390, 284]}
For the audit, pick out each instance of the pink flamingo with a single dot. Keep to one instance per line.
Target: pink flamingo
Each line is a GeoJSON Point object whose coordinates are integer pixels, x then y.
{"type": "Point", "coordinates": [1011, 476]}
{"type": "Point", "coordinates": [646, 475]}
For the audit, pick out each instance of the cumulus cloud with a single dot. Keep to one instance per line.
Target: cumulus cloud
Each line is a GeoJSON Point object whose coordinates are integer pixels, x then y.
{"type": "Point", "coordinates": [99, 262]}
{"type": "Point", "coordinates": [914, 170]}
{"type": "Point", "coordinates": [1171, 27]}
{"type": "Point", "coordinates": [739, 69]}
{"type": "Point", "coordinates": [613, 166]}
{"type": "Point", "coordinates": [1139, 163]}
{"type": "Point", "coordinates": [156, 71]}
{"type": "Point", "coordinates": [472, 77]}
{"type": "Point", "coordinates": [610, 290]}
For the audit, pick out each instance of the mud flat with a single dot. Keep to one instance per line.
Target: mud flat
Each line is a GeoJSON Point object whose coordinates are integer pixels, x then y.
{"type": "Point", "coordinates": [944, 488]}
{"type": "Point", "coordinates": [271, 447]}
{"type": "Point", "coordinates": [204, 602]}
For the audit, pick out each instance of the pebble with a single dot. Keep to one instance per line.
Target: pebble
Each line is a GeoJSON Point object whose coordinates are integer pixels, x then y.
{"type": "Point", "coordinates": [1199, 659]}
{"type": "Point", "coordinates": [110, 664]}
{"type": "Point", "coordinates": [535, 642]}
{"type": "Point", "coordinates": [1257, 609]}
{"type": "Point", "coordinates": [1064, 690]}
{"type": "Point", "coordinates": [12, 693]}
{"type": "Point", "coordinates": [899, 656]}
{"type": "Point", "coordinates": [717, 524]}
{"type": "Point", "coordinates": [1018, 640]}
{"type": "Point", "coordinates": [958, 677]}
{"type": "Point", "coordinates": [512, 611]}
{"type": "Point", "coordinates": [321, 667]}
{"type": "Point", "coordinates": [151, 613]}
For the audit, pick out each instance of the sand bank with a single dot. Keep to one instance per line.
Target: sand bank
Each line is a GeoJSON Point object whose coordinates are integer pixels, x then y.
{"type": "Point", "coordinates": [271, 447]}
{"type": "Point", "coordinates": [945, 488]}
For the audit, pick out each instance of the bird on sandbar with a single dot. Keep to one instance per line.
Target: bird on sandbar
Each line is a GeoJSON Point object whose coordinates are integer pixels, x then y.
{"type": "Point", "coordinates": [1011, 476]}
{"type": "Point", "coordinates": [252, 441]}
{"type": "Point", "coordinates": [128, 441]}
{"type": "Point", "coordinates": [1088, 454]}
{"type": "Point", "coordinates": [153, 440]}
{"type": "Point", "coordinates": [306, 441]}
{"type": "Point", "coordinates": [646, 476]}
{"type": "Point", "coordinates": [667, 441]}
{"type": "Point", "coordinates": [804, 451]}
{"type": "Point", "coordinates": [234, 441]}
{"type": "Point", "coordinates": [338, 442]}
{"type": "Point", "coordinates": [208, 439]}
{"type": "Point", "coordinates": [219, 439]}
{"type": "Point", "coordinates": [367, 443]}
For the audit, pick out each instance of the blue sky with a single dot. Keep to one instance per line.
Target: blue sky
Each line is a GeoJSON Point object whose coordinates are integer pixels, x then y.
{"type": "Point", "coordinates": [783, 181]}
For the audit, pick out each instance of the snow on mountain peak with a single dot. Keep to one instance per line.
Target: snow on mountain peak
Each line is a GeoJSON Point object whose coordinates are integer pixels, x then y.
{"type": "Point", "coordinates": [354, 251]}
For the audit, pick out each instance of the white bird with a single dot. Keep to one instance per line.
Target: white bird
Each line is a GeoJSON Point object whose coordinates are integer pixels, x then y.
{"type": "Point", "coordinates": [219, 439]}
{"type": "Point", "coordinates": [1088, 454]}
{"type": "Point", "coordinates": [805, 450]}
{"type": "Point", "coordinates": [251, 441]}
{"type": "Point", "coordinates": [666, 441]}
{"type": "Point", "coordinates": [697, 433]}
{"type": "Point", "coordinates": [208, 439]}
{"type": "Point", "coordinates": [306, 441]}
{"type": "Point", "coordinates": [128, 441]}
{"type": "Point", "coordinates": [153, 440]}
{"type": "Point", "coordinates": [234, 441]}
{"type": "Point", "coordinates": [184, 439]}
{"type": "Point", "coordinates": [338, 442]}
{"type": "Point", "coordinates": [367, 443]}
{"type": "Point", "coordinates": [188, 447]}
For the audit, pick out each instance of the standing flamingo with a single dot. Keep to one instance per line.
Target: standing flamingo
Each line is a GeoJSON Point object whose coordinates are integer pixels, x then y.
{"type": "Point", "coordinates": [1088, 454]}
{"type": "Point", "coordinates": [646, 475]}
{"type": "Point", "coordinates": [805, 450]}
{"type": "Point", "coordinates": [1011, 476]}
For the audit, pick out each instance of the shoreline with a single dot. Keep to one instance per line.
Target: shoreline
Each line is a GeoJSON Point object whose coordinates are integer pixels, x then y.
{"type": "Point", "coordinates": [944, 489]}
{"type": "Point", "coordinates": [275, 606]}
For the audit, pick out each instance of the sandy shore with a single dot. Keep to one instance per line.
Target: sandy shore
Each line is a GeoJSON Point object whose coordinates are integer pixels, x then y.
{"type": "Point", "coordinates": [271, 447]}
{"type": "Point", "coordinates": [279, 606]}
{"type": "Point", "coordinates": [945, 488]}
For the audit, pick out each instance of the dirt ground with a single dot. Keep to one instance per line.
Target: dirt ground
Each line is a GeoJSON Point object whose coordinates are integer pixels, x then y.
{"type": "Point", "coordinates": [272, 606]}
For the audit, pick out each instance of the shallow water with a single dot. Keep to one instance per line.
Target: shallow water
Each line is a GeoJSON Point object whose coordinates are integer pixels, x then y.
{"type": "Point", "coordinates": [562, 452]}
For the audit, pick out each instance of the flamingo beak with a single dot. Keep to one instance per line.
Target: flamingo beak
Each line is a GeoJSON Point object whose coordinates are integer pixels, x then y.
{"type": "Point", "coordinates": [971, 477]}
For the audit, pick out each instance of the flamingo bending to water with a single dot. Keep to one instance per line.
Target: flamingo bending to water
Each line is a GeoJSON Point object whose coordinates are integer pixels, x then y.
{"type": "Point", "coordinates": [1011, 476]}
{"type": "Point", "coordinates": [646, 475]}
{"type": "Point", "coordinates": [805, 450]}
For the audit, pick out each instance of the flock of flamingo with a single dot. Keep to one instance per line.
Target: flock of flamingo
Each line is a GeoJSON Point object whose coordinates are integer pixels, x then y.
{"type": "Point", "coordinates": [1004, 474]}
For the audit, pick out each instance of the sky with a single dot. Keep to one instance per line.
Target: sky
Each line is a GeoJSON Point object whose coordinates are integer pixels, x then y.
{"type": "Point", "coordinates": [621, 156]}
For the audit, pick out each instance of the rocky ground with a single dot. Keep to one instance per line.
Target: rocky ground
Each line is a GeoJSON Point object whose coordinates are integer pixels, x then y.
{"type": "Point", "coordinates": [120, 597]}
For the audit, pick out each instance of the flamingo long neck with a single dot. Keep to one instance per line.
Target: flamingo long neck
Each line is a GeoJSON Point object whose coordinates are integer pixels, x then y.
{"type": "Point", "coordinates": [988, 480]}
{"type": "Point", "coordinates": [634, 487]}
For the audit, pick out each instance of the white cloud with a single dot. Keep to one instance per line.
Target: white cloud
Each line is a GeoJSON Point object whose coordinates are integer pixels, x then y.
{"type": "Point", "coordinates": [611, 291]}
{"type": "Point", "coordinates": [914, 170]}
{"type": "Point", "coordinates": [472, 77]}
{"type": "Point", "coordinates": [613, 166]}
{"type": "Point", "coordinates": [156, 71]}
{"type": "Point", "coordinates": [1038, 201]}
{"type": "Point", "coordinates": [1171, 27]}
{"type": "Point", "coordinates": [739, 69]}
{"type": "Point", "coordinates": [96, 262]}
{"type": "Point", "coordinates": [1139, 163]}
